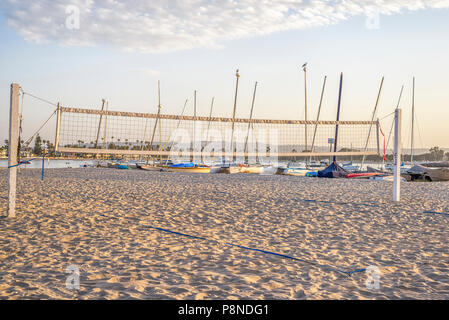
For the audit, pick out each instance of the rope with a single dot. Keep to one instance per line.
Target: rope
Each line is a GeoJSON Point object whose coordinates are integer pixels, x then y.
{"type": "Point", "coordinates": [348, 273]}
{"type": "Point", "coordinates": [21, 162]}
{"type": "Point", "coordinates": [41, 99]}
{"type": "Point", "coordinates": [28, 141]}
{"type": "Point", "coordinates": [435, 212]}
{"type": "Point", "coordinates": [388, 115]}
{"type": "Point", "coordinates": [381, 131]}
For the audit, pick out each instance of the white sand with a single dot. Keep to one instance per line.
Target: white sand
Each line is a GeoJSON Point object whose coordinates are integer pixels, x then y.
{"type": "Point", "coordinates": [347, 224]}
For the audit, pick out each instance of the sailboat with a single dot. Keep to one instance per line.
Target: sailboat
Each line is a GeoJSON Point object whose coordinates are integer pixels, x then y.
{"type": "Point", "coordinates": [334, 170]}
{"type": "Point", "coordinates": [301, 172]}
{"type": "Point", "coordinates": [189, 167]}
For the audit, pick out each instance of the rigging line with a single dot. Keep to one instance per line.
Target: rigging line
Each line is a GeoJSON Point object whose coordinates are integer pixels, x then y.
{"type": "Point", "coordinates": [41, 99]}
{"type": "Point", "coordinates": [28, 141]}
{"type": "Point", "coordinates": [177, 127]}
{"type": "Point", "coordinates": [390, 114]}
{"type": "Point", "coordinates": [397, 107]}
{"type": "Point", "coordinates": [419, 131]}
{"type": "Point", "coordinates": [386, 144]}
{"type": "Point", "coordinates": [389, 135]}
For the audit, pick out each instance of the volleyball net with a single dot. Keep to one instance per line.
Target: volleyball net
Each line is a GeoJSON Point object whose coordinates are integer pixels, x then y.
{"type": "Point", "coordinates": [89, 131]}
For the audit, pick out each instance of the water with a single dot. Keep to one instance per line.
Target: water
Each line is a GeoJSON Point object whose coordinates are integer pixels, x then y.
{"type": "Point", "coordinates": [51, 163]}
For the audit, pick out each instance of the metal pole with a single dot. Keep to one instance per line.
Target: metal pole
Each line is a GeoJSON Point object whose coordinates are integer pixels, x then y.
{"type": "Point", "coordinates": [250, 117]}
{"type": "Point", "coordinates": [210, 117]}
{"type": "Point", "coordinates": [157, 119]}
{"type": "Point", "coordinates": [194, 121]}
{"type": "Point", "coordinates": [177, 127]}
{"type": "Point", "coordinates": [237, 75]}
{"type": "Point", "coordinates": [413, 123]}
{"type": "Point", "coordinates": [99, 123]}
{"type": "Point", "coordinates": [106, 125]}
{"type": "Point", "coordinates": [305, 107]}
{"type": "Point", "coordinates": [318, 116]}
{"type": "Point", "coordinates": [160, 121]}
{"type": "Point", "coordinates": [12, 150]}
{"type": "Point", "coordinates": [58, 128]}
{"type": "Point", "coordinates": [338, 117]}
{"type": "Point", "coordinates": [43, 164]}
{"type": "Point", "coordinates": [397, 155]}
{"type": "Point", "coordinates": [372, 119]}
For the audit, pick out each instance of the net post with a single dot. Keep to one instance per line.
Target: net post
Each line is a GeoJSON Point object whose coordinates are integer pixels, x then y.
{"type": "Point", "coordinates": [377, 135]}
{"type": "Point", "coordinates": [12, 150]}
{"type": "Point", "coordinates": [397, 155]}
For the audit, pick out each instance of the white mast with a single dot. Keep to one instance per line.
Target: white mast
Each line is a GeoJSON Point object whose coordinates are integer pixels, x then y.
{"type": "Point", "coordinates": [413, 123]}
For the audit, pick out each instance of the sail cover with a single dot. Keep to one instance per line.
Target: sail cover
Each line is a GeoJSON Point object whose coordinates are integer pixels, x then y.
{"type": "Point", "coordinates": [183, 165]}
{"type": "Point", "coordinates": [333, 171]}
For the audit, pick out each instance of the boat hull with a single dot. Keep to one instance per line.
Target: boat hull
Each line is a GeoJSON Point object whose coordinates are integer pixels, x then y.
{"type": "Point", "coordinates": [255, 170]}
{"type": "Point", "coordinates": [296, 172]}
{"type": "Point", "coordinates": [152, 168]}
{"type": "Point", "coordinates": [190, 170]}
{"type": "Point", "coordinates": [231, 170]}
{"type": "Point", "coordinates": [386, 178]}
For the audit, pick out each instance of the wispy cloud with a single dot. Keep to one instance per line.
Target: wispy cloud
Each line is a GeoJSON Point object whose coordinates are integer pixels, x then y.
{"type": "Point", "coordinates": [171, 25]}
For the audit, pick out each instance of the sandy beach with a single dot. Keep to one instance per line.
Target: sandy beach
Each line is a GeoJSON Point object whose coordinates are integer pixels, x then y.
{"type": "Point", "coordinates": [101, 219]}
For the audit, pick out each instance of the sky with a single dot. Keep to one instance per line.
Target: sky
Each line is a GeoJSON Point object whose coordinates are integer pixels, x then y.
{"type": "Point", "coordinates": [118, 50]}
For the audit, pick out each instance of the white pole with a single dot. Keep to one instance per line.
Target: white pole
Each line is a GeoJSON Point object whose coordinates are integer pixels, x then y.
{"type": "Point", "coordinates": [12, 151]}
{"type": "Point", "coordinates": [397, 155]}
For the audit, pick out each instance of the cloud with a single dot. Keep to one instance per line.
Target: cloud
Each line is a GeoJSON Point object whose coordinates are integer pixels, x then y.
{"type": "Point", "coordinates": [171, 25]}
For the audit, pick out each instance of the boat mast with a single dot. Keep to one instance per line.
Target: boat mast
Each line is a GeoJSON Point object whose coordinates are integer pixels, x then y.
{"type": "Point", "coordinates": [338, 117]}
{"type": "Point", "coordinates": [157, 117]}
{"type": "Point", "coordinates": [160, 122]}
{"type": "Point", "coordinates": [304, 67]}
{"type": "Point", "coordinates": [250, 117]}
{"type": "Point", "coordinates": [372, 119]}
{"type": "Point", "coordinates": [194, 121]}
{"type": "Point", "coordinates": [397, 107]}
{"type": "Point", "coordinates": [237, 75]}
{"type": "Point", "coordinates": [177, 127]}
{"type": "Point", "coordinates": [99, 123]}
{"type": "Point", "coordinates": [210, 118]}
{"type": "Point", "coordinates": [106, 125]}
{"type": "Point", "coordinates": [158, 113]}
{"type": "Point", "coordinates": [413, 123]}
{"type": "Point", "coordinates": [208, 126]}
{"type": "Point", "coordinates": [318, 117]}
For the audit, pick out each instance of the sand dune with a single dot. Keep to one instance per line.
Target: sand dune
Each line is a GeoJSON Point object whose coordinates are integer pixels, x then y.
{"type": "Point", "coordinates": [98, 220]}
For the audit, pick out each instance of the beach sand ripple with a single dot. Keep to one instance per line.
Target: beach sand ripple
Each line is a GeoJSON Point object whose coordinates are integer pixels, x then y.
{"type": "Point", "coordinates": [98, 220]}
